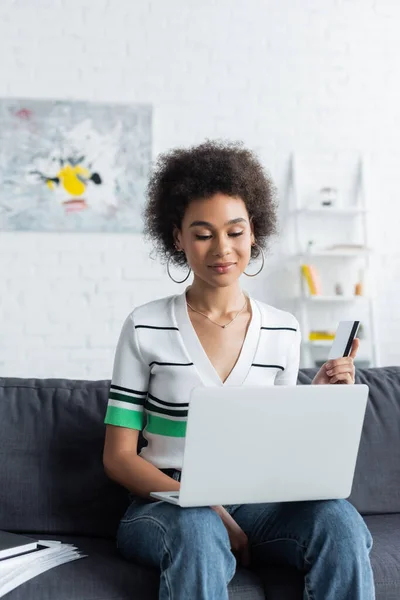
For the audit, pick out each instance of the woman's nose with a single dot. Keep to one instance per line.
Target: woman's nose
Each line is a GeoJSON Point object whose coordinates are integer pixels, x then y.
{"type": "Point", "coordinates": [222, 247]}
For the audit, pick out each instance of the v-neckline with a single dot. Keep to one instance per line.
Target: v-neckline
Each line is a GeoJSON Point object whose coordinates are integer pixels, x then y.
{"type": "Point", "coordinates": [198, 355]}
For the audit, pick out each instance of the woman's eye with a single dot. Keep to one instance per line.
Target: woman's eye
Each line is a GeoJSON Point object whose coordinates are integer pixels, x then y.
{"type": "Point", "coordinates": [208, 237]}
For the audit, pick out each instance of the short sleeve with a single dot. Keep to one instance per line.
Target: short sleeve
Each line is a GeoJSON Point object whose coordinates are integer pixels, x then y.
{"type": "Point", "coordinates": [290, 374]}
{"type": "Point", "coordinates": [130, 380]}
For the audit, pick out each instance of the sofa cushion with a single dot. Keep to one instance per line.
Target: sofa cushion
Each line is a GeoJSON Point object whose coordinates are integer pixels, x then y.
{"type": "Point", "coordinates": [385, 555]}
{"type": "Point", "coordinates": [376, 486]}
{"type": "Point", "coordinates": [105, 575]}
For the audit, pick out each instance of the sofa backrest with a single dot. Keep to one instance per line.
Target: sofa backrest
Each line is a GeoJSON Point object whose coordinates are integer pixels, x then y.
{"type": "Point", "coordinates": [51, 444]}
{"type": "Point", "coordinates": [376, 486]}
{"type": "Point", "coordinates": [51, 471]}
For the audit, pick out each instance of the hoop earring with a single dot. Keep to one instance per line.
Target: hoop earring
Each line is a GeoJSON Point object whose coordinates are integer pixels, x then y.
{"type": "Point", "coordinates": [170, 276]}
{"type": "Point", "coordinates": [260, 251]}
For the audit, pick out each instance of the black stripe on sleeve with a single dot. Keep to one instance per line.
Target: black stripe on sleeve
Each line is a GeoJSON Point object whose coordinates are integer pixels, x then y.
{"type": "Point", "coordinates": [280, 328]}
{"type": "Point", "coordinates": [166, 411]}
{"type": "Point", "coordinates": [124, 389]}
{"type": "Point", "coordinates": [154, 327]}
{"type": "Point", "coordinates": [164, 403]}
{"type": "Point", "coordinates": [268, 366]}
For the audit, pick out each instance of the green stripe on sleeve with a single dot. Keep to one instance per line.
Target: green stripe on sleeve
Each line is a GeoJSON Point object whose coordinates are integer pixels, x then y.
{"type": "Point", "coordinates": [125, 398]}
{"type": "Point", "coordinates": [124, 418]}
{"type": "Point", "coordinates": [167, 427]}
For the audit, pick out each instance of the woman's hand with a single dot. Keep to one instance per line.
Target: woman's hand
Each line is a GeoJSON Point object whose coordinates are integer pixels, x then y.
{"type": "Point", "coordinates": [238, 539]}
{"type": "Point", "coordinates": [239, 543]}
{"type": "Point", "coordinates": [340, 370]}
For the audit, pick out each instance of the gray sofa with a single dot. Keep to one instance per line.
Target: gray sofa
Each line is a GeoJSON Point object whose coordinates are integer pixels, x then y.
{"type": "Point", "coordinates": [53, 485]}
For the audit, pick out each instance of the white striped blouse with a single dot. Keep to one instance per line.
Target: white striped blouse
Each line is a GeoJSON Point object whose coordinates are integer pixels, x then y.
{"type": "Point", "coordinates": [159, 360]}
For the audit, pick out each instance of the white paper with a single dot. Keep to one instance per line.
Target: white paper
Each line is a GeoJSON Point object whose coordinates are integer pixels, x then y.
{"type": "Point", "coordinates": [19, 569]}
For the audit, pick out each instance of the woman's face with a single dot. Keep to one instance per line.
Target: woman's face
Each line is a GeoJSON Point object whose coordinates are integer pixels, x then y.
{"type": "Point", "coordinates": [216, 236]}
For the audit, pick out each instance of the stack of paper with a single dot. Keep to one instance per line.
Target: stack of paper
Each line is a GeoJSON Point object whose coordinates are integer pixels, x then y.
{"type": "Point", "coordinates": [18, 569]}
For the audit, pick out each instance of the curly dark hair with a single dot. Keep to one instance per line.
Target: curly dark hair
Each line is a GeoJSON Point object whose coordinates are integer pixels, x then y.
{"type": "Point", "coordinates": [185, 174]}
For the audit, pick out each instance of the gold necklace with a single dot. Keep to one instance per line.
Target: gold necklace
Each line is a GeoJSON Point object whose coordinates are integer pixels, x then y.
{"type": "Point", "coordinates": [215, 322]}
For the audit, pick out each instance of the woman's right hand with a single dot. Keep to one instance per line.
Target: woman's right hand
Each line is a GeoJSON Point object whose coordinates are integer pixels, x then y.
{"type": "Point", "coordinates": [237, 537]}
{"type": "Point", "coordinates": [239, 544]}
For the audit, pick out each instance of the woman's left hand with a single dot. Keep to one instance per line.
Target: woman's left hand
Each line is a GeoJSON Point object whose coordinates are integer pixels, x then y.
{"type": "Point", "coordinates": [340, 370]}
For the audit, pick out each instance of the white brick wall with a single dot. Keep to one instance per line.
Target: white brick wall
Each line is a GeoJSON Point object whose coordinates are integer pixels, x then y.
{"type": "Point", "coordinates": [318, 77]}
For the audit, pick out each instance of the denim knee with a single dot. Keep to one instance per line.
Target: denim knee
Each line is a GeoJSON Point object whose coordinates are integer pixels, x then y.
{"type": "Point", "coordinates": [201, 534]}
{"type": "Point", "coordinates": [199, 527]}
{"type": "Point", "coordinates": [340, 523]}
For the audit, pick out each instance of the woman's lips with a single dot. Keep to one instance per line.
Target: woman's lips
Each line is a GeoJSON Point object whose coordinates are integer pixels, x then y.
{"type": "Point", "coordinates": [221, 269]}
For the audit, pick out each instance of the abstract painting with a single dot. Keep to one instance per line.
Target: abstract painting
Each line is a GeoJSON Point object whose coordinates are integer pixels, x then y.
{"type": "Point", "coordinates": [73, 166]}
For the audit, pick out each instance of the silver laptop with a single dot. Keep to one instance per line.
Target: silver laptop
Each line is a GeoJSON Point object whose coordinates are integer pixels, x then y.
{"type": "Point", "coordinates": [274, 444]}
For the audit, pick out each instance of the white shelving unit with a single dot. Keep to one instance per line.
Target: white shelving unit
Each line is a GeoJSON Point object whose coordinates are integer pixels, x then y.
{"type": "Point", "coordinates": [332, 211]}
{"type": "Point", "coordinates": [330, 299]}
{"type": "Point", "coordinates": [333, 217]}
{"type": "Point", "coordinates": [333, 253]}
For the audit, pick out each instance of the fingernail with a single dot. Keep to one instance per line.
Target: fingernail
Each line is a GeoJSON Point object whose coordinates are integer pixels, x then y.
{"type": "Point", "coordinates": [328, 365]}
{"type": "Point", "coordinates": [329, 372]}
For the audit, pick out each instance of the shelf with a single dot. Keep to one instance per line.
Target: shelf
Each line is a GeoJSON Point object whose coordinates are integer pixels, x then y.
{"type": "Point", "coordinates": [322, 343]}
{"type": "Point", "coordinates": [329, 211]}
{"type": "Point", "coordinates": [322, 299]}
{"type": "Point", "coordinates": [334, 254]}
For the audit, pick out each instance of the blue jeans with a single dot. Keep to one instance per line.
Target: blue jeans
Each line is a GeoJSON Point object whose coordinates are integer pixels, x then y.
{"type": "Point", "coordinates": [328, 541]}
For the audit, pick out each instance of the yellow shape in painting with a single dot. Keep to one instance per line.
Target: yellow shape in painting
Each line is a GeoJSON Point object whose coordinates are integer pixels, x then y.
{"type": "Point", "coordinates": [50, 184]}
{"type": "Point", "coordinates": [69, 178]}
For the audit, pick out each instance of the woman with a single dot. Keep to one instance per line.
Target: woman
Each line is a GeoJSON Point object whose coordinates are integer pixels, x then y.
{"type": "Point", "coordinates": [211, 209]}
